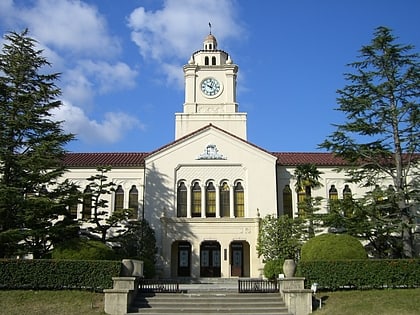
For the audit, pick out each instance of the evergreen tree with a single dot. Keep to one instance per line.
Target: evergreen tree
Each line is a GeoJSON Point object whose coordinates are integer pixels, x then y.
{"type": "Point", "coordinates": [31, 150]}
{"type": "Point", "coordinates": [381, 135]}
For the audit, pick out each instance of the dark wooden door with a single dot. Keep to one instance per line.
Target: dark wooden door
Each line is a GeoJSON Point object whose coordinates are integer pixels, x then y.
{"type": "Point", "coordinates": [184, 259]}
{"type": "Point", "coordinates": [210, 259]}
{"type": "Point", "coordinates": [237, 260]}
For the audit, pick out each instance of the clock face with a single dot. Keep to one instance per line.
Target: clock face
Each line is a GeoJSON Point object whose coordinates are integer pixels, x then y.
{"type": "Point", "coordinates": [210, 87]}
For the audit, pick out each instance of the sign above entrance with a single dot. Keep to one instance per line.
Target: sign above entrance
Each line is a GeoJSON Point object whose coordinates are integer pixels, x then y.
{"type": "Point", "coordinates": [211, 153]}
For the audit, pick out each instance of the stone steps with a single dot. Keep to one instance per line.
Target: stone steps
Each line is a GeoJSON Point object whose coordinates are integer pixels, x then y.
{"type": "Point", "coordinates": [209, 302]}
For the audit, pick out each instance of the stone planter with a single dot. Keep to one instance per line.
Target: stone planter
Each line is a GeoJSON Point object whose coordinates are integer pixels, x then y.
{"type": "Point", "coordinates": [289, 268]}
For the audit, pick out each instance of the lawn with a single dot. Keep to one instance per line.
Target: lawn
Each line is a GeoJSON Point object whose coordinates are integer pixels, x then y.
{"type": "Point", "coordinates": [370, 302]}
{"type": "Point", "coordinates": [373, 302]}
{"type": "Point", "coordinates": [51, 302]}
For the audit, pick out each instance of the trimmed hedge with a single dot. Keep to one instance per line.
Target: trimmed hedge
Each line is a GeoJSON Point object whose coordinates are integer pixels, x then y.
{"type": "Point", "coordinates": [58, 274]}
{"type": "Point", "coordinates": [332, 247]}
{"type": "Point", "coordinates": [362, 274]}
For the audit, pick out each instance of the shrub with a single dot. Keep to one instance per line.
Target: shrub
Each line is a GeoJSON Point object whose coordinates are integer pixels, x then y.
{"type": "Point", "coordinates": [58, 274]}
{"type": "Point", "coordinates": [82, 249]}
{"type": "Point", "coordinates": [361, 274]}
{"type": "Point", "coordinates": [332, 247]}
{"type": "Point", "coordinates": [273, 268]}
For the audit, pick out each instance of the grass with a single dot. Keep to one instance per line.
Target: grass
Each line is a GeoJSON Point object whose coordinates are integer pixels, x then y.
{"type": "Point", "coordinates": [372, 302]}
{"type": "Point", "coordinates": [51, 302]}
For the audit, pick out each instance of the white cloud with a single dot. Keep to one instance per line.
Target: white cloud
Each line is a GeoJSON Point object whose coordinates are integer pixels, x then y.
{"type": "Point", "coordinates": [167, 35]}
{"type": "Point", "coordinates": [110, 130]}
{"type": "Point", "coordinates": [110, 76]}
{"type": "Point", "coordinates": [70, 25]}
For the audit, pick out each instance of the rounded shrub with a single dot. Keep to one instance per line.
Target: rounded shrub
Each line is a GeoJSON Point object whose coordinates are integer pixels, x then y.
{"type": "Point", "coordinates": [82, 249]}
{"type": "Point", "coordinates": [333, 247]}
{"type": "Point", "coordinates": [273, 268]}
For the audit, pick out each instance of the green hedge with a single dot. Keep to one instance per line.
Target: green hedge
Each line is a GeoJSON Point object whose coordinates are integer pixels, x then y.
{"type": "Point", "coordinates": [58, 274]}
{"type": "Point", "coordinates": [361, 274]}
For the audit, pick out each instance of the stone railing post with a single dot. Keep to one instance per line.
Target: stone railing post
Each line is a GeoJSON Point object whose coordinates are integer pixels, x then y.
{"type": "Point", "coordinates": [297, 299]}
{"type": "Point", "coordinates": [124, 290]}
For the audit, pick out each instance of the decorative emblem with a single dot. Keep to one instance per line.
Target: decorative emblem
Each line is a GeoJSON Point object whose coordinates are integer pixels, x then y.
{"type": "Point", "coordinates": [211, 153]}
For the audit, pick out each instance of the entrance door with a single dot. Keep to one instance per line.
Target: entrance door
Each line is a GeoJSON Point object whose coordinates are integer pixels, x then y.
{"type": "Point", "coordinates": [184, 259]}
{"type": "Point", "coordinates": [237, 260]}
{"type": "Point", "coordinates": [210, 259]}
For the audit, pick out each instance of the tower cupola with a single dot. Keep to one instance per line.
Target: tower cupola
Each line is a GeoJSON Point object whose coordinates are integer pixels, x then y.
{"type": "Point", "coordinates": [210, 42]}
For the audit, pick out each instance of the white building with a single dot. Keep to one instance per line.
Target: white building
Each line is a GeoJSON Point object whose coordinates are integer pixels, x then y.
{"type": "Point", "coordinates": [204, 193]}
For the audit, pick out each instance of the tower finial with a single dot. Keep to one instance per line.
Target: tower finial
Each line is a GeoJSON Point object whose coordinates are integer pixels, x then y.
{"type": "Point", "coordinates": [210, 27]}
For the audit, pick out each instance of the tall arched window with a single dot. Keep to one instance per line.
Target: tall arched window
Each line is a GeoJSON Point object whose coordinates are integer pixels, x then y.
{"type": "Point", "coordinates": [333, 193]}
{"type": "Point", "coordinates": [119, 198]}
{"type": "Point", "coordinates": [287, 201]}
{"type": "Point", "coordinates": [301, 202]}
{"type": "Point", "coordinates": [239, 203]}
{"type": "Point", "coordinates": [196, 200]}
{"type": "Point", "coordinates": [181, 200]}
{"type": "Point", "coordinates": [213, 61]}
{"type": "Point", "coordinates": [206, 61]}
{"type": "Point", "coordinates": [347, 192]}
{"type": "Point", "coordinates": [224, 200]}
{"type": "Point", "coordinates": [210, 200]}
{"type": "Point", "coordinates": [133, 202]}
{"type": "Point", "coordinates": [87, 203]}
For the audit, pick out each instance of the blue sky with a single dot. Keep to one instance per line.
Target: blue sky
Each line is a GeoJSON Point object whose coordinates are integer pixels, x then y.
{"type": "Point", "coordinates": [121, 62]}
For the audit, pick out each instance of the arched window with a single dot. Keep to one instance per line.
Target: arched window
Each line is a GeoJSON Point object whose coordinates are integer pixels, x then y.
{"type": "Point", "coordinates": [73, 211]}
{"type": "Point", "coordinates": [333, 193]}
{"type": "Point", "coordinates": [133, 202]}
{"type": "Point", "coordinates": [119, 198]}
{"type": "Point", "coordinates": [213, 61]}
{"type": "Point", "coordinates": [347, 194]}
{"type": "Point", "coordinates": [196, 200]}
{"type": "Point", "coordinates": [210, 200]}
{"type": "Point", "coordinates": [239, 205]}
{"type": "Point", "coordinates": [87, 203]}
{"type": "Point", "coordinates": [206, 61]}
{"type": "Point", "coordinates": [287, 201]}
{"type": "Point", "coordinates": [301, 202]}
{"type": "Point", "coordinates": [181, 200]}
{"type": "Point", "coordinates": [224, 200]}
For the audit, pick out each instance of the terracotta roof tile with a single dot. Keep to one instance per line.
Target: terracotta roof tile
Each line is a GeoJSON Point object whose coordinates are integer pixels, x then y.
{"type": "Point", "coordinates": [104, 159]}
{"type": "Point", "coordinates": [298, 158]}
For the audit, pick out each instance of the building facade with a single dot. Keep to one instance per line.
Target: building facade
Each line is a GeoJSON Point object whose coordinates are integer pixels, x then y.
{"type": "Point", "coordinates": [204, 193]}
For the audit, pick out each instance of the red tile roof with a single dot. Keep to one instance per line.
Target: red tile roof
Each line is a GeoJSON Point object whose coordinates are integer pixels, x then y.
{"type": "Point", "coordinates": [298, 158]}
{"type": "Point", "coordinates": [137, 159]}
{"type": "Point", "coordinates": [104, 159]}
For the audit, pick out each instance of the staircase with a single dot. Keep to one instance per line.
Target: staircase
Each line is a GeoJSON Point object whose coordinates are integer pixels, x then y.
{"type": "Point", "coordinates": [209, 296]}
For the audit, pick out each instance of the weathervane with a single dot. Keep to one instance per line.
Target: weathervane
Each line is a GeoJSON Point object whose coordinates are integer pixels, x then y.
{"type": "Point", "coordinates": [210, 27]}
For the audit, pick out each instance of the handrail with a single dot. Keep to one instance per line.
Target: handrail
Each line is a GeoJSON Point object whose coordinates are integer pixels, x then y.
{"type": "Point", "coordinates": [257, 286]}
{"type": "Point", "coordinates": [159, 286]}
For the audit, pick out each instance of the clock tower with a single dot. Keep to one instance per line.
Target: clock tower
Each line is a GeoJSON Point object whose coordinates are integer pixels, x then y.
{"type": "Point", "coordinates": [210, 93]}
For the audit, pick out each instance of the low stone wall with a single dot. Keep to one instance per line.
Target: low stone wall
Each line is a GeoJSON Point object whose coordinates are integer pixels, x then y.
{"type": "Point", "coordinates": [124, 289]}
{"type": "Point", "coordinates": [297, 299]}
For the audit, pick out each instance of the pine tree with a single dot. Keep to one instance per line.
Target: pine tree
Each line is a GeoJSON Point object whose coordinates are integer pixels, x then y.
{"type": "Point", "coordinates": [381, 135]}
{"type": "Point", "coordinates": [31, 150]}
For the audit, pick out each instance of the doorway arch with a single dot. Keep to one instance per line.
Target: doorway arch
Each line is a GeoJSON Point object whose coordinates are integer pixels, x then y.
{"type": "Point", "coordinates": [239, 259]}
{"type": "Point", "coordinates": [181, 256]}
{"type": "Point", "coordinates": [210, 259]}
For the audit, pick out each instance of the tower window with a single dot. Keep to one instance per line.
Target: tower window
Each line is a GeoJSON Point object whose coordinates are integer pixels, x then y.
{"type": "Point", "coordinates": [213, 61]}
{"type": "Point", "coordinates": [206, 61]}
